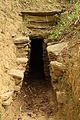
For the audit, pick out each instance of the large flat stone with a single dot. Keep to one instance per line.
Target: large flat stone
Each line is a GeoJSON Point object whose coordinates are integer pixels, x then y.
{"type": "Point", "coordinates": [57, 48]}
{"type": "Point", "coordinates": [17, 73]}
{"type": "Point", "coordinates": [42, 13]}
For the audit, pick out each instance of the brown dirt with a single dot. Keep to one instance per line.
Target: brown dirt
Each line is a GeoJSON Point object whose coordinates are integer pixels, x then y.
{"type": "Point", "coordinates": [10, 22]}
{"type": "Point", "coordinates": [35, 102]}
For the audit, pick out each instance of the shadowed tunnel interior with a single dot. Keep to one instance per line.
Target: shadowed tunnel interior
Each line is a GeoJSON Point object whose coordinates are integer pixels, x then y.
{"type": "Point", "coordinates": [36, 59]}
{"type": "Point", "coordinates": [37, 91]}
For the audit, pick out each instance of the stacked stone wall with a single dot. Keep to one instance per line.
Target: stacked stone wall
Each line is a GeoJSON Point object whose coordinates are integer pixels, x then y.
{"type": "Point", "coordinates": [46, 62]}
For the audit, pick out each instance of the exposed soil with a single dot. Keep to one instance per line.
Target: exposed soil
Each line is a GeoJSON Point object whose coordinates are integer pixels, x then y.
{"type": "Point", "coordinates": [35, 102]}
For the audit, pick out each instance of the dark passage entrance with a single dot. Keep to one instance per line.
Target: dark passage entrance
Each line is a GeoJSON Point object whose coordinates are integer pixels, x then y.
{"type": "Point", "coordinates": [37, 92]}
{"type": "Point", "coordinates": [36, 59]}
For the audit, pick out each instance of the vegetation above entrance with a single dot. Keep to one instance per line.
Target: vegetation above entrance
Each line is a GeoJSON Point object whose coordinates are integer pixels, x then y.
{"type": "Point", "coordinates": [65, 21]}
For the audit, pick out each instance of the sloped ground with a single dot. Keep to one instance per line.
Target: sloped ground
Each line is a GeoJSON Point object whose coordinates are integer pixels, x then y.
{"type": "Point", "coordinates": [10, 23]}
{"type": "Point", "coordinates": [69, 82]}
{"type": "Point", "coordinates": [73, 71]}
{"type": "Point", "coordinates": [44, 106]}
{"type": "Point", "coordinates": [38, 5]}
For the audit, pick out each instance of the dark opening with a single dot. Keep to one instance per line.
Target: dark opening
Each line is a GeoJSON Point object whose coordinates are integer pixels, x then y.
{"type": "Point", "coordinates": [37, 92]}
{"type": "Point", "coordinates": [36, 59]}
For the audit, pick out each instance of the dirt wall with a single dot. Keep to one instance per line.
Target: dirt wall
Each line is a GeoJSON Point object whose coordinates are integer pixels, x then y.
{"type": "Point", "coordinates": [9, 24]}
{"type": "Point", "coordinates": [64, 60]}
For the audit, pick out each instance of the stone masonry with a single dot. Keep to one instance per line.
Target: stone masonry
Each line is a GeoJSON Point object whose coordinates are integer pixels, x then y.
{"type": "Point", "coordinates": [57, 67]}
{"type": "Point", "coordinates": [23, 52]}
{"type": "Point", "coordinates": [46, 62]}
{"type": "Point", "coordinates": [17, 74]}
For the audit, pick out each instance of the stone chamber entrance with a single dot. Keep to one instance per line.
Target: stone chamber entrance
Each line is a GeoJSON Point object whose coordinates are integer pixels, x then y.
{"type": "Point", "coordinates": [37, 99]}
{"type": "Point", "coordinates": [37, 96]}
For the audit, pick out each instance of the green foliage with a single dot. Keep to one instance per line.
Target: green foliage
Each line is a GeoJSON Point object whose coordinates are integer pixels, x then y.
{"type": "Point", "coordinates": [33, 1]}
{"type": "Point", "coordinates": [25, 19]}
{"type": "Point", "coordinates": [0, 115]}
{"type": "Point", "coordinates": [61, 82]}
{"type": "Point", "coordinates": [23, 27]}
{"type": "Point", "coordinates": [68, 20]}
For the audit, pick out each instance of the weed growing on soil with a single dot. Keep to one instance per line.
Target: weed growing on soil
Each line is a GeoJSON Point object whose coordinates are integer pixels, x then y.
{"type": "Point", "coordinates": [61, 82]}
{"type": "Point", "coordinates": [33, 1]}
{"type": "Point", "coordinates": [22, 27]}
{"type": "Point", "coordinates": [70, 17]}
{"type": "Point", "coordinates": [0, 115]}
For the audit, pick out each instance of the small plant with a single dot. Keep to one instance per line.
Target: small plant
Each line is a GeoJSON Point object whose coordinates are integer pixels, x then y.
{"type": "Point", "coordinates": [33, 1]}
{"type": "Point", "coordinates": [0, 115]}
{"type": "Point", "coordinates": [22, 27]}
{"type": "Point", "coordinates": [61, 82]}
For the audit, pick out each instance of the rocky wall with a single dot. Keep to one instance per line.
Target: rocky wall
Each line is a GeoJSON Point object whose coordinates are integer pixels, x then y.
{"type": "Point", "coordinates": [64, 72]}
{"type": "Point", "coordinates": [9, 25]}
{"type": "Point", "coordinates": [57, 64]}
{"type": "Point", "coordinates": [46, 62]}
{"type": "Point", "coordinates": [22, 59]}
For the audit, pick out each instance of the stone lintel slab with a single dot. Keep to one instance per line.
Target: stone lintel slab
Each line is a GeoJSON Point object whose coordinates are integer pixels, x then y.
{"type": "Point", "coordinates": [42, 13]}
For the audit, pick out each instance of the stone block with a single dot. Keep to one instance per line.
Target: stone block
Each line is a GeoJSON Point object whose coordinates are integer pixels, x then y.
{"type": "Point", "coordinates": [7, 102]}
{"type": "Point", "coordinates": [57, 65]}
{"type": "Point", "coordinates": [61, 97]}
{"type": "Point", "coordinates": [21, 39]}
{"type": "Point", "coordinates": [16, 73]}
{"type": "Point", "coordinates": [6, 95]}
{"type": "Point", "coordinates": [56, 69]}
{"type": "Point", "coordinates": [22, 60]}
{"type": "Point", "coordinates": [57, 48]}
{"type": "Point", "coordinates": [18, 81]}
{"type": "Point", "coordinates": [17, 88]}
{"type": "Point", "coordinates": [22, 45]}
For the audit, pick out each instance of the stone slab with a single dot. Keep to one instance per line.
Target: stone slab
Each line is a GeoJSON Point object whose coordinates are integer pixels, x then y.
{"type": "Point", "coordinates": [57, 48]}
{"type": "Point", "coordinates": [22, 60]}
{"type": "Point", "coordinates": [42, 13]}
{"type": "Point", "coordinates": [21, 39]}
{"type": "Point", "coordinates": [17, 73]}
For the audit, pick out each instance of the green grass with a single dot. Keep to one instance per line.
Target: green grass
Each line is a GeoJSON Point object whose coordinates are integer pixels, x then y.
{"type": "Point", "coordinates": [0, 115]}
{"type": "Point", "coordinates": [61, 26]}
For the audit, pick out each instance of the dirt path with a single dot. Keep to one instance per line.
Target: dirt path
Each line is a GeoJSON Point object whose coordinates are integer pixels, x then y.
{"type": "Point", "coordinates": [36, 101]}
